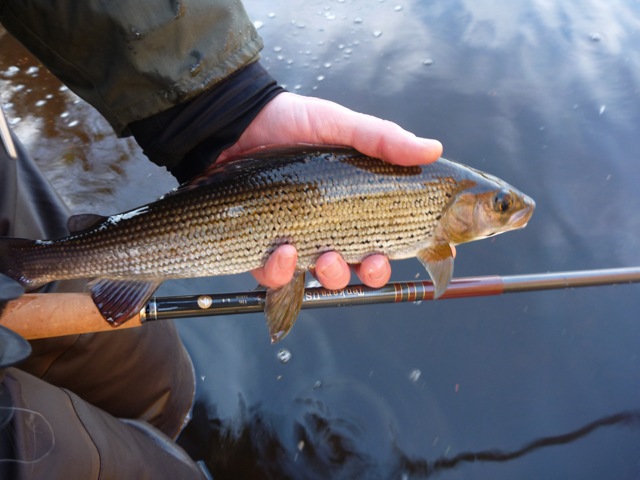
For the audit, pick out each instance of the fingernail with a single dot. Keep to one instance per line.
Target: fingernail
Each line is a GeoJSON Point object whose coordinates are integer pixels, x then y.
{"type": "Point", "coordinates": [286, 260]}
{"type": "Point", "coordinates": [431, 144]}
{"type": "Point", "coordinates": [332, 271]}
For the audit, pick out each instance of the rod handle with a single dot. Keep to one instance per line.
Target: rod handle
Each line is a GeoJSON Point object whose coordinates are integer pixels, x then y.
{"type": "Point", "coordinates": [43, 315]}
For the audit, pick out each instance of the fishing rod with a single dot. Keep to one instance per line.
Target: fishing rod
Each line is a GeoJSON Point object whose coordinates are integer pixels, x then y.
{"type": "Point", "coordinates": [50, 314]}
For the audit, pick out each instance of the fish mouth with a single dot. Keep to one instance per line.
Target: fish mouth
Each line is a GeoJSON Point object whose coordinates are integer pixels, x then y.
{"type": "Point", "coordinates": [520, 219]}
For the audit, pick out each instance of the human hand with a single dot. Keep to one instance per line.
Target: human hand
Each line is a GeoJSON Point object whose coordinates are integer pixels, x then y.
{"type": "Point", "coordinates": [290, 119]}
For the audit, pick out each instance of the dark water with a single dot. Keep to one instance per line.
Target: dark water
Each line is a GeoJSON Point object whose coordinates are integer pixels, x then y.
{"type": "Point", "coordinates": [539, 385]}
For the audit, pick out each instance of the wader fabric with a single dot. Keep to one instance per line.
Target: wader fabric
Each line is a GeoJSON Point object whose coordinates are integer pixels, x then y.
{"type": "Point", "coordinates": [86, 381]}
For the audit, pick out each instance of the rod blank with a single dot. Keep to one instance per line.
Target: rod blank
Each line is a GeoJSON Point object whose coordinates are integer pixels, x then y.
{"type": "Point", "coordinates": [253, 301]}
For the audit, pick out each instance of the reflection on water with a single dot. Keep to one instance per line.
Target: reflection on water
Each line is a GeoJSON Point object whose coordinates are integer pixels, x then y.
{"type": "Point", "coordinates": [253, 446]}
{"type": "Point", "coordinates": [92, 170]}
{"type": "Point", "coordinates": [542, 94]}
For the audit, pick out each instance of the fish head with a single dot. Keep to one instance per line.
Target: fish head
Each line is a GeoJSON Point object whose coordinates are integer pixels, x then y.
{"type": "Point", "coordinates": [486, 209]}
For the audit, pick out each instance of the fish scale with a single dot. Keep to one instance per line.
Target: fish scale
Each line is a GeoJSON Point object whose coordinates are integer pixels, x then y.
{"type": "Point", "coordinates": [231, 219]}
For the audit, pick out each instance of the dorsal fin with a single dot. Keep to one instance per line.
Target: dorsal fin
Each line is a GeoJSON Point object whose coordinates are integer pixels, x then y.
{"type": "Point", "coordinates": [84, 221]}
{"type": "Point", "coordinates": [251, 160]}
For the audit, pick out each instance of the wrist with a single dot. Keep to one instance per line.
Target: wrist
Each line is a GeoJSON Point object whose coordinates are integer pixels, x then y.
{"type": "Point", "coordinates": [189, 137]}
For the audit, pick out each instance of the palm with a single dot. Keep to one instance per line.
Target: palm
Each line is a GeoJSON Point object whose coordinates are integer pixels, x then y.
{"type": "Point", "coordinates": [290, 119]}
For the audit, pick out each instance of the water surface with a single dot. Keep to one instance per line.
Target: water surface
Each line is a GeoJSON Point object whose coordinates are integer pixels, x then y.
{"type": "Point", "coordinates": [544, 95]}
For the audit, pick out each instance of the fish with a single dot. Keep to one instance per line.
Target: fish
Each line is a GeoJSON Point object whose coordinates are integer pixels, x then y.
{"type": "Point", "coordinates": [230, 219]}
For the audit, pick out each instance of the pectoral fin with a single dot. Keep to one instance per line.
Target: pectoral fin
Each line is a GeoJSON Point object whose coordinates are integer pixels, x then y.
{"type": "Point", "coordinates": [438, 260]}
{"type": "Point", "coordinates": [119, 300]}
{"type": "Point", "coordinates": [282, 306]}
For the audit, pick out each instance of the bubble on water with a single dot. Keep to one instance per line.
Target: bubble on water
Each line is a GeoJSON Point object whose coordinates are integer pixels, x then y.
{"type": "Point", "coordinates": [63, 88]}
{"type": "Point", "coordinates": [33, 70]}
{"type": "Point", "coordinates": [377, 33]}
{"type": "Point", "coordinates": [18, 88]}
{"type": "Point", "coordinates": [398, 8]}
{"type": "Point", "coordinates": [297, 87]}
{"type": "Point", "coordinates": [327, 65]}
{"type": "Point", "coordinates": [73, 123]}
{"type": "Point", "coordinates": [284, 355]}
{"type": "Point", "coordinates": [280, 57]}
{"type": "Point", "coordinates": [277, 48]}
{"type": "Point", "coordinates": [258, 24]}
{"type": "Point", "coordinates": [414, 375]}
{"type": "Point", "coordinates": [40, 103]}
{"type": "Point", "coordinates": [320, 78]}
{"type": "Point", "coordinates": [595, 37]}
{"type": "Point", "coordinates": [357, 20]}
{"type": "Point", "coordinates": [271, 15]}
{"type": "Point", "coordinates": [317, 385]}
{"type": "Point", "coordinates": [64, 114]}
{"type": "Point", "coordinates": [602, 109]}
{"type": "Point", "coordinates": [427, 61]}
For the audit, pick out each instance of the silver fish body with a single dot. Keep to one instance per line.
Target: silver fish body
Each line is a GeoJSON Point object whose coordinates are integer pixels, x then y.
{"type": "Point", "coordinates": [229, 221]}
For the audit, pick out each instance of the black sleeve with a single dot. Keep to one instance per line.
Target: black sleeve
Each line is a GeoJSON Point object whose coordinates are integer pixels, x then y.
{"type": "Point", "coordinates": [189, 137]}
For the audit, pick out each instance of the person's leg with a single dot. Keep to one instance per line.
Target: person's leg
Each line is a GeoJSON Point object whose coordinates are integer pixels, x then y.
{"type": "Point", "coordinates": [138, 373]}
{"type": "Point", "coordinates": [58, 435]}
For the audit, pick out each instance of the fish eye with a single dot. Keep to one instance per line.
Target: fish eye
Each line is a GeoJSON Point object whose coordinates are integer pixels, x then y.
{"type": "Point", "coordinates": [502, 201]}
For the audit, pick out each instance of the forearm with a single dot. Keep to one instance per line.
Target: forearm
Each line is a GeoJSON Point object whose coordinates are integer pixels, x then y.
{"type": "Point", "coordinates": [134, 59]}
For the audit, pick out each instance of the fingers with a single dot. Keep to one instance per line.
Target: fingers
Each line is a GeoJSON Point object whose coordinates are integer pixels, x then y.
{"type": "Point", "coordinates": [388, 141]}
{"type": "Point", "coordinates": [279, 268]}
{"type": "Point", "coordinates": [374, 271]}
{"type": "Point", "coordinates": [370, 135]}
{"type": "Point", "coordinates": [332, 271]}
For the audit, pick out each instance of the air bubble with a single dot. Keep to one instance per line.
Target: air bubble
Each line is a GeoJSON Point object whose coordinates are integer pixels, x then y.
{"type": "Point", "coordinates": [377, 33]}
{"type": "Point", "coordinates": [414, 376]}
{"type": "Point", "coordinates": [284, 355]}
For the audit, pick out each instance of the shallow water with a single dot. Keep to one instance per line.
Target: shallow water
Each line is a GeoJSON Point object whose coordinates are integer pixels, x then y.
{"type": "Point", "coordinates": [544, 95]}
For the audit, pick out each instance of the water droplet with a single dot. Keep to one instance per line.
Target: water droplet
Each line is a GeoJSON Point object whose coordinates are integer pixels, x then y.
{"type": "Point", "coordinates": [377, 33]}
{"type": "Point", "coordinates": [40, 103]}
{"type": "Point", "coordinates": [297, 87]}
{"type": "Point", "coordinates": [595, 37]}
{"type": "Point", "coordinates": [277, 48]}
{"type": "Point", "coordinates": [12, 71]}
{"type": "Point", "coordinates": [271, 15]}
{"type": "Point", "coordinates": [284, 355]}
{"type": "Point", "coordinates": [258, 24]}
{"type": "Point", "coordinates": [73, 123]}
{"type": "Point", "coordinates": [602, 109]}
{"type": "Point", "coordinates": [414, 376]}
{"type": "Point", "coordinates": [327, 65]}
{"type": "Point", "coordinates": [320, 78]}
{"type": "Point", "coordinates": [428, 61]}
{"type": "Point", "coordinates": [357, 20]}
{"type": "Point", "coordinates": [64, 114]}
{"type": "Point", "coordinates": [398, 8]}
{"type": "Point", "coordinates": [317, 385]}
{"type": "Point", "coordinates": [300, 445]}
{"type": "Point", "coordinates": [32, 70]}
